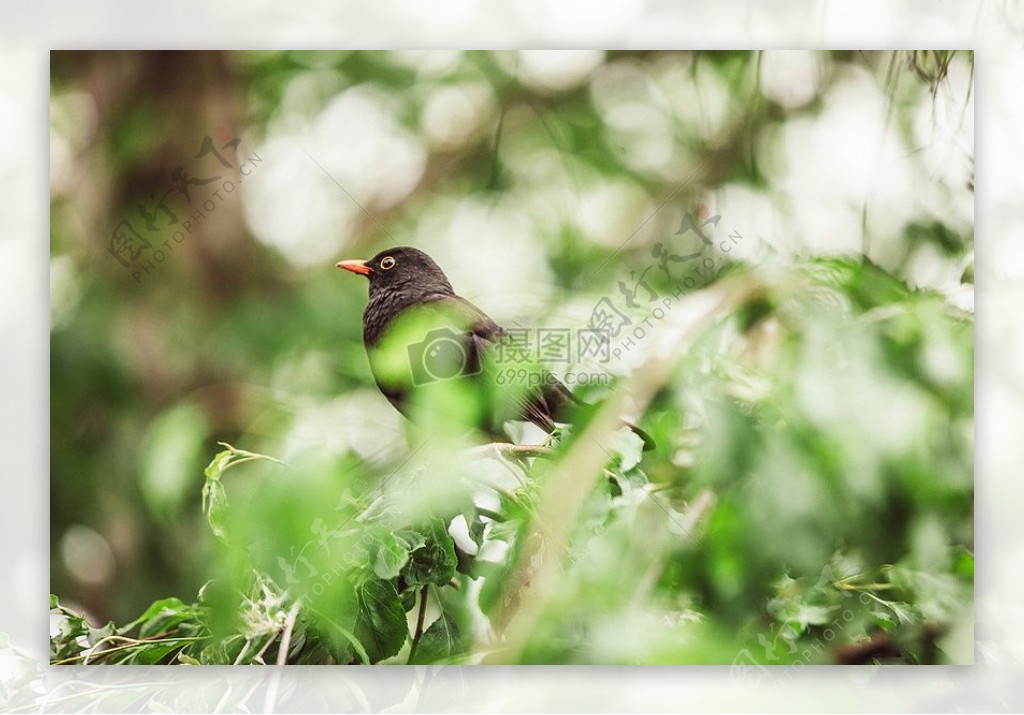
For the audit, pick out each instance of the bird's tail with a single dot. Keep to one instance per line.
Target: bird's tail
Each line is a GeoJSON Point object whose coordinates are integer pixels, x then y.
{"type": "Point", "coordinates": [556, 400]}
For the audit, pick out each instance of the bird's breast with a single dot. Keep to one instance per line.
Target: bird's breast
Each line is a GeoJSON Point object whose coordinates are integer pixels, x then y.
{"type": "Point", "coordinates": [382, 309]}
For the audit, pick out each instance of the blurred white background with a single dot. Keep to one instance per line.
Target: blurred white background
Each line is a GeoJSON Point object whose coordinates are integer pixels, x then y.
{"type": "Point", "coordinates": [995, 29]}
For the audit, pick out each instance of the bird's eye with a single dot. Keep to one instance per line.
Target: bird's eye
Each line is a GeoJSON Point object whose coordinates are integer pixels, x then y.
{"type": "Point", "coordinates": [387, 263]}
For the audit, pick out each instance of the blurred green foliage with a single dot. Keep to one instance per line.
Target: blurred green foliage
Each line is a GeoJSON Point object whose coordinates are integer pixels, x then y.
{"type": "Point", "coordinates": [810, 499]}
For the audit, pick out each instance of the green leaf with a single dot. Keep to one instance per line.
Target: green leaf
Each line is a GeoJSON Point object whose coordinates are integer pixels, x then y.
{"type": "Point", "coordinates": [410, 540]}
{"type": "Point", "coordinates": [98, 634]}
{"type": "Point", "coordinates": [215, 653]}
{"type": "Point", "coordinates": [72, 626]}
{"type": "Point", "coordinates": [409, 597]}
{"type": "Point", "coordinates": [938, 597]}
{"type": "Point", "coordinates": [165, 616]}
{"type": "Point", "coordinates": [71, 632]}
{"type": "Point", "coordinates": [390, 556]}
{"type": "Point", "coordinates": [435, 561]}
{"type": "Point", "coordinates": [230, 457]}
{"type": "Point", "coordinates": [354, 643]}
{"type": "Point", "coordinates": [151, 654]}
{"type": "Point", "coordinates": [628, 447]}
{"type": "Point", "coordinates": [441, 641]}
{"type": "Point", "coordinates": [476, 528]}
{"type": "Point", "coordinates": [215, 500]}
{"type": "Point", "coordinates": [215, 469]}
{"type": "Point", "coordinates": [380, 626]}
{"type": "Point", "coordinates": [904, 613]}
{"type": "Point", "coordinates": [808, 615]}
{"type": "Point", "coordinates": [884, 619]}
{"type": "Point", "coordinates": [964, 565]}
{"type": "Point", "coordinates": [629, 479]}
{"type": "Point", "coordinates": [169, 621]}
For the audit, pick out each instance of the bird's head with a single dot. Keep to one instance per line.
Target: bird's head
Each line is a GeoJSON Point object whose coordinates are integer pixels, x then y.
{"type": "Point", "coordinates": [402, 268]}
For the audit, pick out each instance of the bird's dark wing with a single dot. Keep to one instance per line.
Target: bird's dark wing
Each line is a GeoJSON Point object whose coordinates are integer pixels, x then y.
{"type": "Point", "coordinates": [552, 403]}
{"type": "Point", "coordinates": [475, 320]}
{"type": "Point", "coordinates": [544, 406]}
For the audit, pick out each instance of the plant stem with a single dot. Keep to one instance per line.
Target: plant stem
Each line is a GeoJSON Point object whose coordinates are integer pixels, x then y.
{"type": "Point", "coordinates": [419, 623]}
{"type": "Point", "coordinates": [89, 653]}
{"type": "Point", "coordinates": [507, 449]}
{"type": "Point", "coordinates": [492, 515]}
{"type": "Point", "coordinates": [286, 639]}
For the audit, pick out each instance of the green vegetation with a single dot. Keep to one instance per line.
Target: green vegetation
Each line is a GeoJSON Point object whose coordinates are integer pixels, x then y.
{"type": "Point", "coordinates": [809, 389]}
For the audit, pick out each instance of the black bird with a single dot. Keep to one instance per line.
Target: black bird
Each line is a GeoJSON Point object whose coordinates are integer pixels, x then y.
{"type": "Point", "coordinates": [454, 334]}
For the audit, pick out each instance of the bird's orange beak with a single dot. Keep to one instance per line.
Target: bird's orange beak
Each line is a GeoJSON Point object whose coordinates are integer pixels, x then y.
{"type": "Point", "coordinates": [356, 266]}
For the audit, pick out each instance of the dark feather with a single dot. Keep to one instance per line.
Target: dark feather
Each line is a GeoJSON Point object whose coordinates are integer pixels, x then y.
{"type": "Point", "coordinates": [415, 281]}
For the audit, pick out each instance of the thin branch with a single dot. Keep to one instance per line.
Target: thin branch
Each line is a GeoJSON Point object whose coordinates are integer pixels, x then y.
{"type": "Point", "coordinates": [282, 653]}
{"type": "Point", "coordinates": [132, 643]}
{"type": "Point", "coordinates": [696, 510]}
{"type": "Point", "coordinates": [507, 449]}
{"type": "Point", "coordinates": [242, 653]}
{"type": "Point", "coordinates": [536, 572]}
{"type": "Point", "coordinates": [492, 515]}
{"type": "Point", "coordinates": [419, 623]}
{"type": "Point", "coordinates": [259, 655]}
